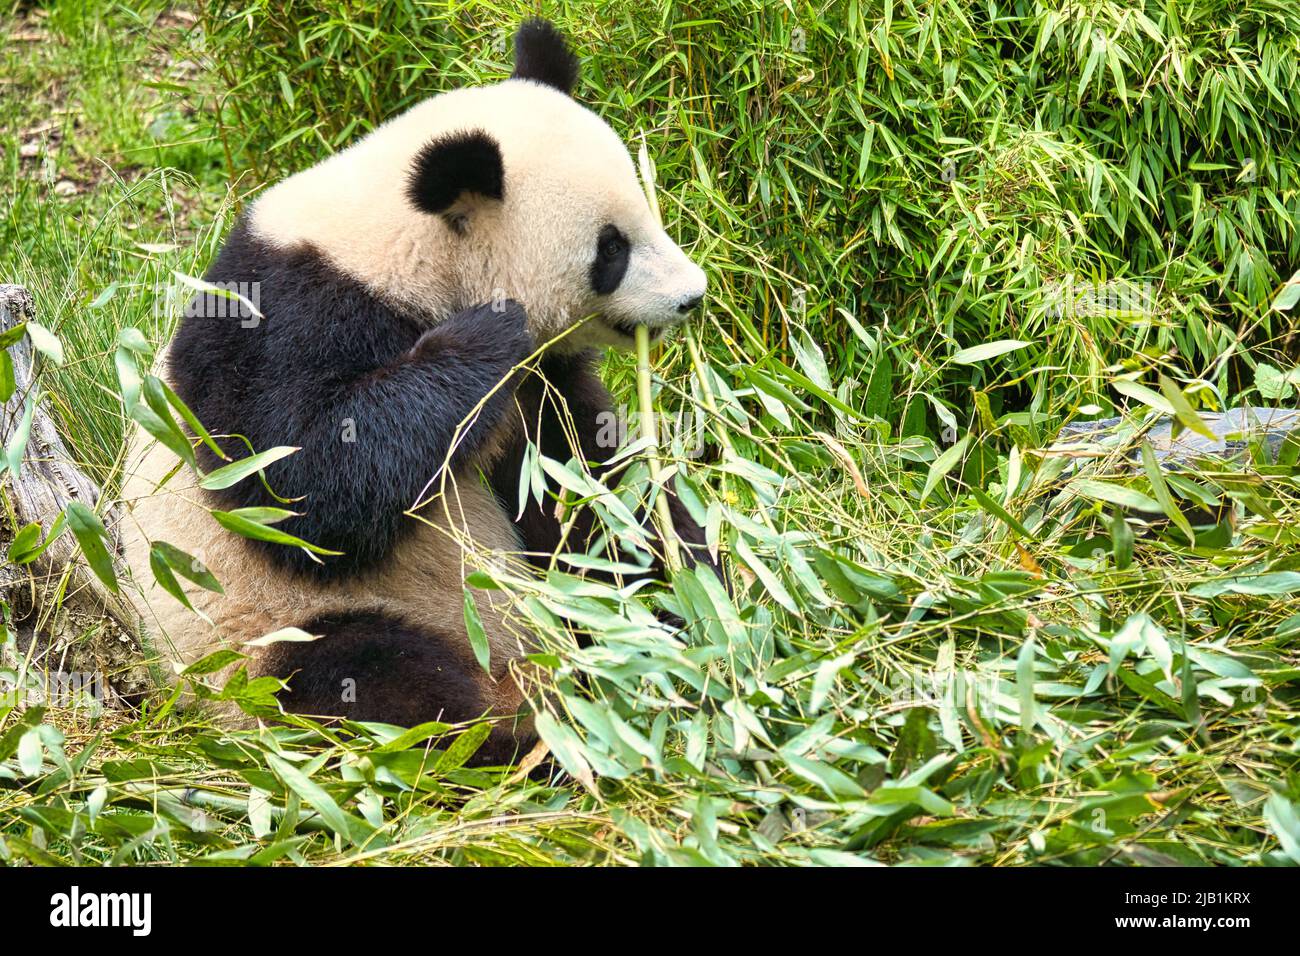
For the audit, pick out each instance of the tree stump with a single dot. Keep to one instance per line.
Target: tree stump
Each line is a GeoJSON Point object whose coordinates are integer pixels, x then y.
{"type": "Point", "coordinates": [69, 625]}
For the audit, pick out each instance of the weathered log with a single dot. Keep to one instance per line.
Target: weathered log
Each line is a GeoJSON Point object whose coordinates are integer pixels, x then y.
{"type": "Point", "coordinates": [67, 621]}
{"type": "Point", "coordinates": [1233, 431]}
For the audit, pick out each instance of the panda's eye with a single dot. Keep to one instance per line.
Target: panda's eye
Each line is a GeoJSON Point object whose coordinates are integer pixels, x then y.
{"type": "Point", "coordinates": [612, 243]}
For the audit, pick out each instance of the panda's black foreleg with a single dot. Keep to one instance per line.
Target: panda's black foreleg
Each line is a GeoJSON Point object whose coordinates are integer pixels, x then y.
{"type": "Point", "coordinates": [371, 666]}
{"type": "Point", "coordinates": [574, 403]}
{"type": "Point", "coordinates": [373, 436]}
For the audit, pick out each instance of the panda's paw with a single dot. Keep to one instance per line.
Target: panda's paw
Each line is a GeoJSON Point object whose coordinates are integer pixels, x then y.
{"type": "Point", "coordinates": [494, 331]}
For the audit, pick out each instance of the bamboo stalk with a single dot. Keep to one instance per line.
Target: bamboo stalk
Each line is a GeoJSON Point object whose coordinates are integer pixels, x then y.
{"type": "Point", "coordinates": [645, 395]}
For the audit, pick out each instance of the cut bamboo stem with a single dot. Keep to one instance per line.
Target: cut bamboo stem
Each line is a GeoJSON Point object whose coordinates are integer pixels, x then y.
{"type": "Point", "coordinates": [645, 396]}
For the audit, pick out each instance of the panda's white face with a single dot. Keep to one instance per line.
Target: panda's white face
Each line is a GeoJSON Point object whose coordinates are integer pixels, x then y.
{"type": "Point", "coordinates": [513, 190]}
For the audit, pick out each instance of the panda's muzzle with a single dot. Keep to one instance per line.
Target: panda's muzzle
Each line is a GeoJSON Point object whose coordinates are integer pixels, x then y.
{"type": "Point", "coordinates": [621, 326]}
{"type": "Point", "coordinates": [628, 327]}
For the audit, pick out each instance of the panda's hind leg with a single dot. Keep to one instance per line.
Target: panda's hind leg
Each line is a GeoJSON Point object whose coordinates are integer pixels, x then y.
{"type": "Point", "coordinates": [371, 666]}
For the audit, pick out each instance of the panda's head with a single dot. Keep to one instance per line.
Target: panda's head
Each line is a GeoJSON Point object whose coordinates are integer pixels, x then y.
{"type": "Point", "coordinates": [537, 199]}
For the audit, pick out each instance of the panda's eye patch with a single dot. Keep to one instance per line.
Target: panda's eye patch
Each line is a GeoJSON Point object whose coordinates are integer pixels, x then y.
{"type": "Point", "coordinates": [607, 268]}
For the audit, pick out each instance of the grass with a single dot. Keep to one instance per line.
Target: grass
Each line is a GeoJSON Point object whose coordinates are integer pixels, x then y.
{"type": "Point", "coordinates": [947, 644]}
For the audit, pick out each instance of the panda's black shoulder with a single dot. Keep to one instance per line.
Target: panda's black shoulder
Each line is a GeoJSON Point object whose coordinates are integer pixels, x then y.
{"type": "Point", "coordinates": [229, 362]}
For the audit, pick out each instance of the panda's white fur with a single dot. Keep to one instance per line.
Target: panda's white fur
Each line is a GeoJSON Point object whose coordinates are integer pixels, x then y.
{"type": "Point", "coordinates": [565, 172]}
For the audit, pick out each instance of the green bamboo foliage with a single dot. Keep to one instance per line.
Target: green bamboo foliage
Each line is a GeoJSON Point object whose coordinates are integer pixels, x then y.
{"type": "Point", "coordinates": [933, 170]}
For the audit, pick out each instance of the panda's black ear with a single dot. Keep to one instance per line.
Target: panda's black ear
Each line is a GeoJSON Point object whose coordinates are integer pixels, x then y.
{"type": "Point", "coordinates": [542, 55]}
{"type": "Point", "coordinates": [451, 166]}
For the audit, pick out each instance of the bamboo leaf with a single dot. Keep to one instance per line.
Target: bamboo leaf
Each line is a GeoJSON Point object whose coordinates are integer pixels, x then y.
{"type": "Point", "coordinates": [943, 464]}
{"type": "Point", "coordinates": [45, 342]}
{"type": "Point", "coordinates": [91, 535]}
{"type": "Point", "coordinates": [1183, 409]}
{"type": "Point", "coordinates": [981, 353]}
{"type": "Point", "coordinates": [237, 471]}
{"type": "Point", "coordinates": [1161, 490]}
{"type": "Point", "coordinates": [243, 523]}
{"type": "Point", "coordinates": [478, 641]}
{"type": "Point", "coordinates": [1121, 495]}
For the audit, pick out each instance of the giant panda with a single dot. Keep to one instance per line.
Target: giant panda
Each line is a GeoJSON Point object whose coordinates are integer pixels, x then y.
{"type": "Point", "coordinates": [398, 282]}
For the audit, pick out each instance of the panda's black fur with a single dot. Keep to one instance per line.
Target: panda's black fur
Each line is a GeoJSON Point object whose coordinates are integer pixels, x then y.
{"type": "Point", "coordinates": [466, 161]}
{"type": "Point", "coordinates": [404, 675]}
{"type": "Point", "coordinates": [327, 353]}
{"type": "Point", "coordinates": [541, 55]}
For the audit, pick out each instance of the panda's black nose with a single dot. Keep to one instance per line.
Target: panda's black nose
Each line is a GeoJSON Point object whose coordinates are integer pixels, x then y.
{"type": "Point", "coordinates": [690, 304]}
